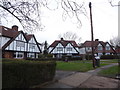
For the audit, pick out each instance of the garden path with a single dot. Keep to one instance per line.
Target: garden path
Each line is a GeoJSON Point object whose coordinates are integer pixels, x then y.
{"type": "Point", "coordinates": [72, 79]}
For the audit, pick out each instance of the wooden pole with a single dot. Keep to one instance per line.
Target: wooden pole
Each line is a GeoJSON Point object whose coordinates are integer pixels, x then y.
{"type": "Point", "coordinates": [92, 37]}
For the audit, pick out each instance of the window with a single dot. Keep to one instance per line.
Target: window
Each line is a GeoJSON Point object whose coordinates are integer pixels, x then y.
{"type": "Point", "coordinates": [18, 55]}
{"type": "Point", "coordinates": [107, 48]}
{"type": "Point", "coordinates": [88, 48]}
{"type": "Point", "coordinates": [59, 49]}
{"type": "Point", "coordinates": [31, 55]}
{"type": "Point", "coordinates": [107, 54]}
{"type": "Point", "coordinates": [99, 54]}
{"type": "Point", "coordinates": [100, 48]}
{"type": "Point", "coordinates": [32, 46]}
{"type": "Point", "coordinates": [69, 49]}
{"type": "Point", "coordinates": [20, 44]}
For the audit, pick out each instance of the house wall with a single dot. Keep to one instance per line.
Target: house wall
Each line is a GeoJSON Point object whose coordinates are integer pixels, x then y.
{"type": "Point", "coordinates": [21, 48]}
{"type": "Point", "coordinates": [107, 50]}
{"type": "Point", "coordinates": [82, 51]}
{"type": "Point", "coordinates": [57, 49]}
{"type": "Point", "coordinates": [88, 49]}
{"type": "Point", "coordinates": [100, 49]}
{"type": "Point", "coordinates": [3, 41]}
{"type": "Point", "coordinates": [19, 44]}
{"type": "Point", "coordinates": [70, 49]}
{"type": "Point", "coordinates": [32, 46]}
{"type": "Point", "coordinates": [8, 54]}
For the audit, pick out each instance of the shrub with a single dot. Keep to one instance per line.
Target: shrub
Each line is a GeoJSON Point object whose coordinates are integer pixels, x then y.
{"type": "Point", "coordinates": [70, 58]}
{"type": "Point", "coordinates": [24, 73]}
{"type": "Point", "coordinates": [45, 56]}
{"type": "Point", "coordinates": [88, 57]}
{"type": "Point", "coordinates": [75, 58]}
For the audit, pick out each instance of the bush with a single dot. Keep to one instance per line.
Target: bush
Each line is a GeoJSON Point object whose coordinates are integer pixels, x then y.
{"type": "Point", "coordinates": [25, 74]}
{"type": "Point", "coordinates": [45, 56]}
{"type": "Point", "coordinates": [70, 58]}
{"type": "Point", "coordinates": [88, 57]}
{"type": "Point", "coordinates": [109, 57]}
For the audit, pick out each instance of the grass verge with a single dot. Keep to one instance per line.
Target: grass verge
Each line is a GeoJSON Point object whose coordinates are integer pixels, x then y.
{"type": "Point", "coordinates": [110, 61]}
{"type": "Point", "coordinates": [75, 66]}
{"type": "Point", "coordinates": [110, 72]}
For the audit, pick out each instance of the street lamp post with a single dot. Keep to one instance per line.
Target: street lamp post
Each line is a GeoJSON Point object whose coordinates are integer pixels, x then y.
{"type": "Point", "coordinates": [92, 37]}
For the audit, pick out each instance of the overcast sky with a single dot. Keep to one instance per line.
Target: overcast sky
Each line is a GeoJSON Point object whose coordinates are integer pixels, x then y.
{"type": "Point", "coordinates": [105, 23]}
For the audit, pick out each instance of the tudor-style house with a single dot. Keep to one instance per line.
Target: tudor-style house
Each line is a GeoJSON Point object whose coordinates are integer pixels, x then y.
{"type": "Point", "coordinates": [63, 47]}
{"type": "Point", "coordinates": [100, 48]}
{"type": "Point", "coordinates": [17, 44]}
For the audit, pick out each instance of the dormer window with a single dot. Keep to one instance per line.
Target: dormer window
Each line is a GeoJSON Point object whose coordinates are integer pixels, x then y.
{"type": "Point", "coordinates": [59, 49]}
{"type": "Point", "coordinates": [107, 47]}
{"type": "Point", "coordinates": [69, 49]}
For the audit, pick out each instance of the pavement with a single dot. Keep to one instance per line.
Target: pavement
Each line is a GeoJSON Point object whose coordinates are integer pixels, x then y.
{"type": "Point", "coordinates": [72, 79]}
{"type": "Point", "coordinates": [95, 71]}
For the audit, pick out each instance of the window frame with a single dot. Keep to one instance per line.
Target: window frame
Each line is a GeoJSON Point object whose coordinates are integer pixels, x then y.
{"type": "Point", "coordinates": [59, 48]}
{"type": "Point", "coordinates": [69, 48]}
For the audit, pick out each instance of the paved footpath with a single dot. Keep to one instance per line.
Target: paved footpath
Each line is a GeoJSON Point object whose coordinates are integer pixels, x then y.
{"type": "Point", "coordinates": [72, 79]}
{"type": "Point", "coordinates": [94, 72]}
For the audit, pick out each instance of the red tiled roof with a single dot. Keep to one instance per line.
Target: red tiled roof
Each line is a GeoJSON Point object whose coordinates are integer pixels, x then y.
{"type": "Point", "coordinates": [95, 43]}
{"type": "Point", "coordinates": [7, 32]}
{"type": "Point", "coordinates": [28, 37]}
{"type": "Point", "coordinates": [64, 43]}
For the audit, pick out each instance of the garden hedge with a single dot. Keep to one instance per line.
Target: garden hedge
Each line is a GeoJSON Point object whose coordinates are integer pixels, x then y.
{"type": "Point", "coordinates": [109, 57]}
{"type": "Point", "coordinates": [25, 74]}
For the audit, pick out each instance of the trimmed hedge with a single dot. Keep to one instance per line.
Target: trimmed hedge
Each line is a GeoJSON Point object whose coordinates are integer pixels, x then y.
{"type": "Point", "coordinates": [69, 58]}
{"type": "Point", "coordinates": [25, 74]}
{"type": "Point", "coordinates": [109, 57]}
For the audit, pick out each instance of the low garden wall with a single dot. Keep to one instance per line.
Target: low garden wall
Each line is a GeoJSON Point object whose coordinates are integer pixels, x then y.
{"type": "Point", "coordinates": [25, 74]}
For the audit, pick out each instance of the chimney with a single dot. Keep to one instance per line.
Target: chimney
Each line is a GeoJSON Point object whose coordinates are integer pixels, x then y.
{"type": "Point", "coordinates": [62, 39]}
{"type": "Point", "coordinates": [96, 39]}
{"type": "Point", "coordinates": [15, 27]}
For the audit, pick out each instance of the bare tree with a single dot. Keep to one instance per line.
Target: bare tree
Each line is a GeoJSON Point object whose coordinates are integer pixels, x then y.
{"type": "Point", "coordinates": [112, 3]}
{"type": "Point", "coordinates": [73, 9]}
{"type": "Point", "coordinates": [28, 12]}
{"type": "Point", "coordinates": [115, 41]}
{"type": "Point", "coordinates": [69, 36]}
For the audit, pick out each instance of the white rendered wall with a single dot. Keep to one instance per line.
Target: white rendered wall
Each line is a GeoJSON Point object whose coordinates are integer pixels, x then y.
{"type": "Point", "coordinates": [3, 41]}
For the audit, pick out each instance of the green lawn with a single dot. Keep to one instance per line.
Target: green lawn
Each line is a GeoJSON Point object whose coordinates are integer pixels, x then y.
{"type": "Point", "coordinates": [101, 61]}
{"type": "Point", "coordinates": [75, 66]}
{"type": "Point", "coordinates": [110, 61]}
{"type": "Point", "coordinates": [110, 72]}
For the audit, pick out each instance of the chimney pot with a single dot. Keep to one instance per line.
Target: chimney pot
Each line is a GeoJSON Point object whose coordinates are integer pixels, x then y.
{"type": "Point", "coordinates": [96, 39]}
{"type": "Point", "coordinates": [15, 27]}
{"type": "Point", "coordinates": [61, 38]}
